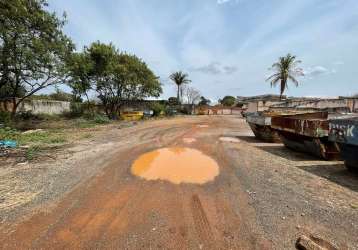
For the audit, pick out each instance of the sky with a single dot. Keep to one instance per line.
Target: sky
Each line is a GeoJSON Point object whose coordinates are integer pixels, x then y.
{"type": "Point", "coordinates": [227, 46]}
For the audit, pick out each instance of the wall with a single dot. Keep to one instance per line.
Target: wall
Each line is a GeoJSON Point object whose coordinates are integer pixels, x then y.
{"type": "Point", "coordinates": [252, 107]}
{"type": "Point", "coordinates": [38, 106]}
{"type": "Point", "coordinates": [351, 104]}
{"type": "Point", "coordinates": [208, 110]}
{"type": "Point", "coordinates": [261, 105]}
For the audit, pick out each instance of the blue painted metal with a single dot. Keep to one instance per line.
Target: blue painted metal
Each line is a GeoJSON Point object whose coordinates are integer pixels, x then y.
{"type": "Point", "coordinates": [344, 131]}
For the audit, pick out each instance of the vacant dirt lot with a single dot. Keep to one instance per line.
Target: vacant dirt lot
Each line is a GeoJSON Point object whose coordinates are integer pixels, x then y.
{"type": "Point", "coordinates": [264, 197]}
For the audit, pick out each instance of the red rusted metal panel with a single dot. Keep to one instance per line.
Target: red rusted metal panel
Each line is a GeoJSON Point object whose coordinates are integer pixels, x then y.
{"type": "Point", "coordinates": [310, 124]}
{"type": "Point", "coordinates": [307, 133]}
{"type": "Point", "coordinates": [261, 122]}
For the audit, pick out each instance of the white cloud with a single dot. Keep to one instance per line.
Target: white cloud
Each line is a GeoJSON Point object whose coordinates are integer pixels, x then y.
{"type": "Point", "coordinates": [215, 68]}
{"type": "Point", "coordinates": [227, 1]}
{"type": "Point", "coordinates": [318, 70]}
{"type": "Point", "coordinates": [223, 1]}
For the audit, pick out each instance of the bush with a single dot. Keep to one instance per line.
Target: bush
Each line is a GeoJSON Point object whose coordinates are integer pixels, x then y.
{"type": "Point", "coordinates": [5, 117]}
{"type": "Point", "coordinates": [170, 111]}
{"type": "Point", "coordinates": [158, 109]}
{"type": "Point", "coordinates": [26, 115]}
{"type": "Point", "coordinates": [101, 119]}
{"type": "Point", "coordinates": [8, 133]}
{"type": "Point", "coordinates": [186, 110]}
{"type": "Point", "coordinates": [32, 152]}
{"type": "Point", "coordinates": [76, 110]}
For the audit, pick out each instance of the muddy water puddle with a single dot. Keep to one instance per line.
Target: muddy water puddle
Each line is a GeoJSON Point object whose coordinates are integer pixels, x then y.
{"type": "Point", "coordinates": [177, 165]}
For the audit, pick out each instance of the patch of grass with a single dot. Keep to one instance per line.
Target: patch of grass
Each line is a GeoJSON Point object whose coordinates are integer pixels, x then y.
{"type": "Point", "coordinates": [42, 137]}
{"type": "Point", "coordinates": [35, 138]}
{"type": "Point", "coordinates": [90, 122]}
{"type": "Point", "coordinates": [100, 119]}
{"type": "Point", "coordinates": [32, 152]}
{"type": "Point", "coordinates": [82, 123]}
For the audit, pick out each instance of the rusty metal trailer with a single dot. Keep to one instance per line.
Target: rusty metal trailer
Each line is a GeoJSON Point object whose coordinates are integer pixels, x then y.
{"type": "Point", "coordinates": [307, 133]}
{"type": "Point", "coordinates": [260, 123]}
{"type": "Point", "coordinates": [344, 132]}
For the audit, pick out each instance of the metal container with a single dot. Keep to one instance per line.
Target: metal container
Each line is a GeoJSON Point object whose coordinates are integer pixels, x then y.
{"type": "Point", "coordinates": [307, 133]}
{"type": "Point", "coordinates": [260, 123]}
{"type": "Point", "coordinates": [344, 131]}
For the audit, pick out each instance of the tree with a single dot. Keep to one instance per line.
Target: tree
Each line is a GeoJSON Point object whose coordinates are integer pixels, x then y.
{"type": "Point", "coordinates": [60, 95]}
{"type": "Point", "coordinates": [120, 77]}
{"type": "Point", "coordinates": [192, 95]}
{"type": "Point", "coordinates": [285, 69]}
{"type": "Point", "coordinates": [173, 101]}
{"type": "Point", "coordinates": [204, 101]}
{"type": "Point", "coordinates": [228, 101]}
{"type": "Point", "coordinates": [179, 78]}
{"type": "Point", "coordinates": [7, 91]}
{"type": "Point", "coordinates": [80, 70]}
{"type": "Point", "coordinates": [33, 48]}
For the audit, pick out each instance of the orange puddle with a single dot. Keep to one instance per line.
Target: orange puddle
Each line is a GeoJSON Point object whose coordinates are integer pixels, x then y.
{"type": "Point", "coordinates": [177, 165]}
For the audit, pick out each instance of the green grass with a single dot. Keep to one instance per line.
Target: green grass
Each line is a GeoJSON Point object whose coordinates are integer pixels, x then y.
{"type": "Point", "coordinates": [32, 152]}
{"type": "Point", "coordinates": [35, 138]}
{"type": "Point", "coordinates": [54, 131]}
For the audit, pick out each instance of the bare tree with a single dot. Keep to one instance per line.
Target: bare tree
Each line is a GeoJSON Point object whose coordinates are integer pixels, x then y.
{"type": "Point", "coordinates": [191, 95]}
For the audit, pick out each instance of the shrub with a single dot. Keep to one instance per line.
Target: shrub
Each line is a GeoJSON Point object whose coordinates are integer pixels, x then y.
{"type": "Point", "coordinates": [8, 133]}
{"type": "Point", "coordinates": [77, 109]}
{"type": "Point", "coordinates": [158, 109]}
{"type": "Point", "coordinates": [32, 152]}
{"type": "Point", "coordinates": [5, 117]}
{"type": "Point", "coordinates": [101, 119]}
{"type": "Point", "coordinates": [26, 115]}
{"type": "Point", "coordinates": [170, 111]}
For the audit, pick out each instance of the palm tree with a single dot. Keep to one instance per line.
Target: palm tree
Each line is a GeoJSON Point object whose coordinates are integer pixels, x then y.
{"type": "Point", "coordinates": [179, 78]}
{"type": "Point", "coordinates": [285, 69]}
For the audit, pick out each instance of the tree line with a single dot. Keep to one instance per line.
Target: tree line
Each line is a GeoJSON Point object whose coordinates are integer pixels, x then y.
{"type": "Point", "coordinates": [36, 54]}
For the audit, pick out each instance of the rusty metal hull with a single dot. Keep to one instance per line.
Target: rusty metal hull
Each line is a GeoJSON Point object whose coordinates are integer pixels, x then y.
{"type": "Point", "coordinates": [307, 133]}
{"type": "Point", "coordinates": [265, 133]}
{"type": "Point", "coordinates": [260, 123]}
{"type": "Point", "coordinates": [310, 124]}
{"type": "Point", "coordinates": [319, 147]}
{"type": "Point", "coordinates": [345, 132]}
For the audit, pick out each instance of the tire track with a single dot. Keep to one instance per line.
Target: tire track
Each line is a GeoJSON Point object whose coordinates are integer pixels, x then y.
{"type": "Point", "coordinates": [202, 224]}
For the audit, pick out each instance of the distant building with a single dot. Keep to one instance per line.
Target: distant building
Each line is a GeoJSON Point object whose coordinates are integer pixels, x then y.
{"type": "Point", "coordinates": [259, 102]}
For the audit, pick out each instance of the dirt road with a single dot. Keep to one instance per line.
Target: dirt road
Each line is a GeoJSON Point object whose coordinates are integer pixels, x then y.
{"type": "Point", "coordinates": [264, 197]}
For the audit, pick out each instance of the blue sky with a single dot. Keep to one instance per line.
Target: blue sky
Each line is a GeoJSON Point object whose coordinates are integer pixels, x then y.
{"type": "Point", "coordinates": [227, 46]}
